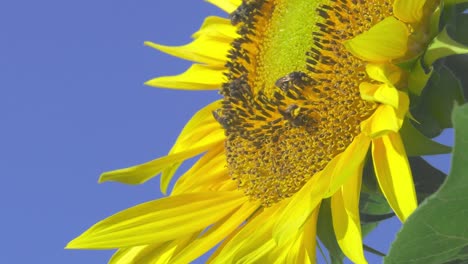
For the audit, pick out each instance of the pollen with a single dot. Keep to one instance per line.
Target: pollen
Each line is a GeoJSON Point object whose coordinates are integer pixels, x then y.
{"type": "Point", "coordinates": [292, 102]}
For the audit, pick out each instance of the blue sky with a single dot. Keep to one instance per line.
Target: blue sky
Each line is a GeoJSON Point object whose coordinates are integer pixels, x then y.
{"type": "Point", "coordinates": [73, 105]}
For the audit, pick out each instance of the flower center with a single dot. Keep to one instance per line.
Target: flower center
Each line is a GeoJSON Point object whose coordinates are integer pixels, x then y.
{"type": "Point", "coordinates": [291, 102]}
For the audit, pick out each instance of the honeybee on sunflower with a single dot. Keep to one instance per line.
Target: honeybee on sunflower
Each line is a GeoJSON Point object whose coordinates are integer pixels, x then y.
{"type": "Point", "coordinates": [312, 93]}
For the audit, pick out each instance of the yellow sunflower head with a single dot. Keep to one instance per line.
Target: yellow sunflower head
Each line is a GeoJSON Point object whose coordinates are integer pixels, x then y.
{"type": "Point", "coordinates": [308, 88]}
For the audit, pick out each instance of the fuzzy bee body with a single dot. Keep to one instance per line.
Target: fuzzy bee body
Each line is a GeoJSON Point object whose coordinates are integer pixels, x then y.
{"type": "Point", "coordinates": [296, 116]}
{"type": "Point", "coordinates": [296, 78]}
{"type": "Point", "coordinates": [223, 121]}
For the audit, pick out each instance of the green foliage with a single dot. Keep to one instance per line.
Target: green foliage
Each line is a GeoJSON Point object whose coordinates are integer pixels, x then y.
{"type": "Point", "coordinates": [449, 29]}
{"type": "Point", "coordinates": [459, 65]}
{"type": "Point", "coordinates": [437, 231]}
{"type": "Point", "coordinates": [432, 112]}
{"type": "Point", "coordinates": [457, 23]}
{"type": "Point", "coordinates": [417, 144]}
{"type": "Point", "coordinates": [427, 179]}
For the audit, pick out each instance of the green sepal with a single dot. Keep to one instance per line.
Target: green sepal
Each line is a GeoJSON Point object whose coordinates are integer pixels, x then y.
{"type": "Point", "coordinates": [433, 109]}
{"type": "Point", "coordinates": [437, 230]}
{"type": "Point", "coordinates": [435, 20]}
{"type": "Point", "coordinates": [419, 76]}
{"type": "Point", "coordinates": [417, 144]}
{"type": "Point", "coordinates": [409, 64]}
{"type": "Point", "coordinates": [442, 46]}
{"type": "Point", "coordinates": [326, 234]}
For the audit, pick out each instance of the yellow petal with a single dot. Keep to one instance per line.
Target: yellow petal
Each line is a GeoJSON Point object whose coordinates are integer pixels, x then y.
{"type": "Point", "coordinates": [385, 41]}
{"type": "Point", "coordinates": [384, 72]}
{"type": "Point", "coordinates": [164, 254]}
{"type": "Point", "coordinates": [300, 207]}
{"type": "Point", "coordinates": [384, 93]}
{"type": "Point", "coordinates": [227, 5]}
{"type": "Point", "coordinates": [322, 184]}
{"type": "Point", "coordinates": [197, 77]}
{"type": "Point", "coordinates": [126, 255]}
{"type": "Point", "coordinates": [292, 251]}
{"type": "Point", "coordinates": [217, 27]}
{"type": "Point", "coordinates": [301, 248]}
{"type": "Point", "coordinates": [201, 130]}
{"type": "Point", "coordinates": [133, 254]}
{"type": "Point", "coordinates": [205, 49]}
{"type": "Point", "coordinates": [226, 185]}
{"type": "Point", "coordinates": [207, 172]}
{"type": "Point", "coordinates": [141, 173]}
{"type": "Point", "coordinates": [383, 121]}
{"type": "Point", "coordinates": [346, 222]}
{"type": "Point", "coordinates": [252, 241]}
{"type": "Point", "coordinates": [285, 253]}
{"type": "Point", "coordinates": [160, 220]}
{"type": "Point", "coordinates": [258, 254]}
{"type": "Point", "coordinates": [386, 118]}
{"type": "Point", "coordinates": [409, 11]}
{"type": "Point", "coordinates": [309, 240]}
{"type": "Point", "coordinates": [346, 164]}
{"type": "Point", "coordinates": [215, 234]}
{"type": "Point", "coordinates": [394, 174]}
{"type": "Point", "coordinates": [199, 127]}
{"type": "Point", "coordinates": [153, 253]}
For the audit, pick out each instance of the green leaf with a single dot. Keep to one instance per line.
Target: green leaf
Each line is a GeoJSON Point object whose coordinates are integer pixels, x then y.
{"type": "Point", "coordinates": [326, 234]}
{"type": "Point", "coordinates": [373, 251]}
{"type": "Point", "coordinates": [458, 64]}
{"type": "Point", "coordinates": [371, 202]}
{"type": "Point", "coordinates": [437, 231]}
{"type": "Point", "coordinates": [408, 65]}
{"type": "Point", "coordinates": [436, 102]}
{"type": "Point", "coordinates": [416, 144]}
{"type": "Point", "coordinates": [371, 218]}
{"type": "Point", "coordinates": [453, 2]}
{"type": "Point", "coordinates": [427, 179]}
{"type": "Point", "coordinates": [457, 27]}
{"type": "Point", "coordinates": [449, 35]}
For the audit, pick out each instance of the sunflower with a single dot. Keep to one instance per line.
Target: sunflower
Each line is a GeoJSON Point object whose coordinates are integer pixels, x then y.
{"type": "Point", "coordinates": [308, 88]}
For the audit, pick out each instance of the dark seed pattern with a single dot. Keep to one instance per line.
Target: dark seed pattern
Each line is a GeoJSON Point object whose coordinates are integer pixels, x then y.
{"type": "Point", "coordinates": [276, 142]}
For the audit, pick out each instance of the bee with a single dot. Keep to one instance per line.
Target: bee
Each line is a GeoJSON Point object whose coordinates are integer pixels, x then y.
{"type": "Point", "coordinates": [240, 88]}
{"type": "Point", "coordinates": [245, 12]}
{"type": "Point", "coordinates": [296, 116]}
{"type": "Point", "coordinates": [241, 14]}
{"type": "Point", "coordinates": [292, 114]}
{"type": "Point", "coordinates": [222, 120]}
{"type": "Point", "coordinates": [296, 78]}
